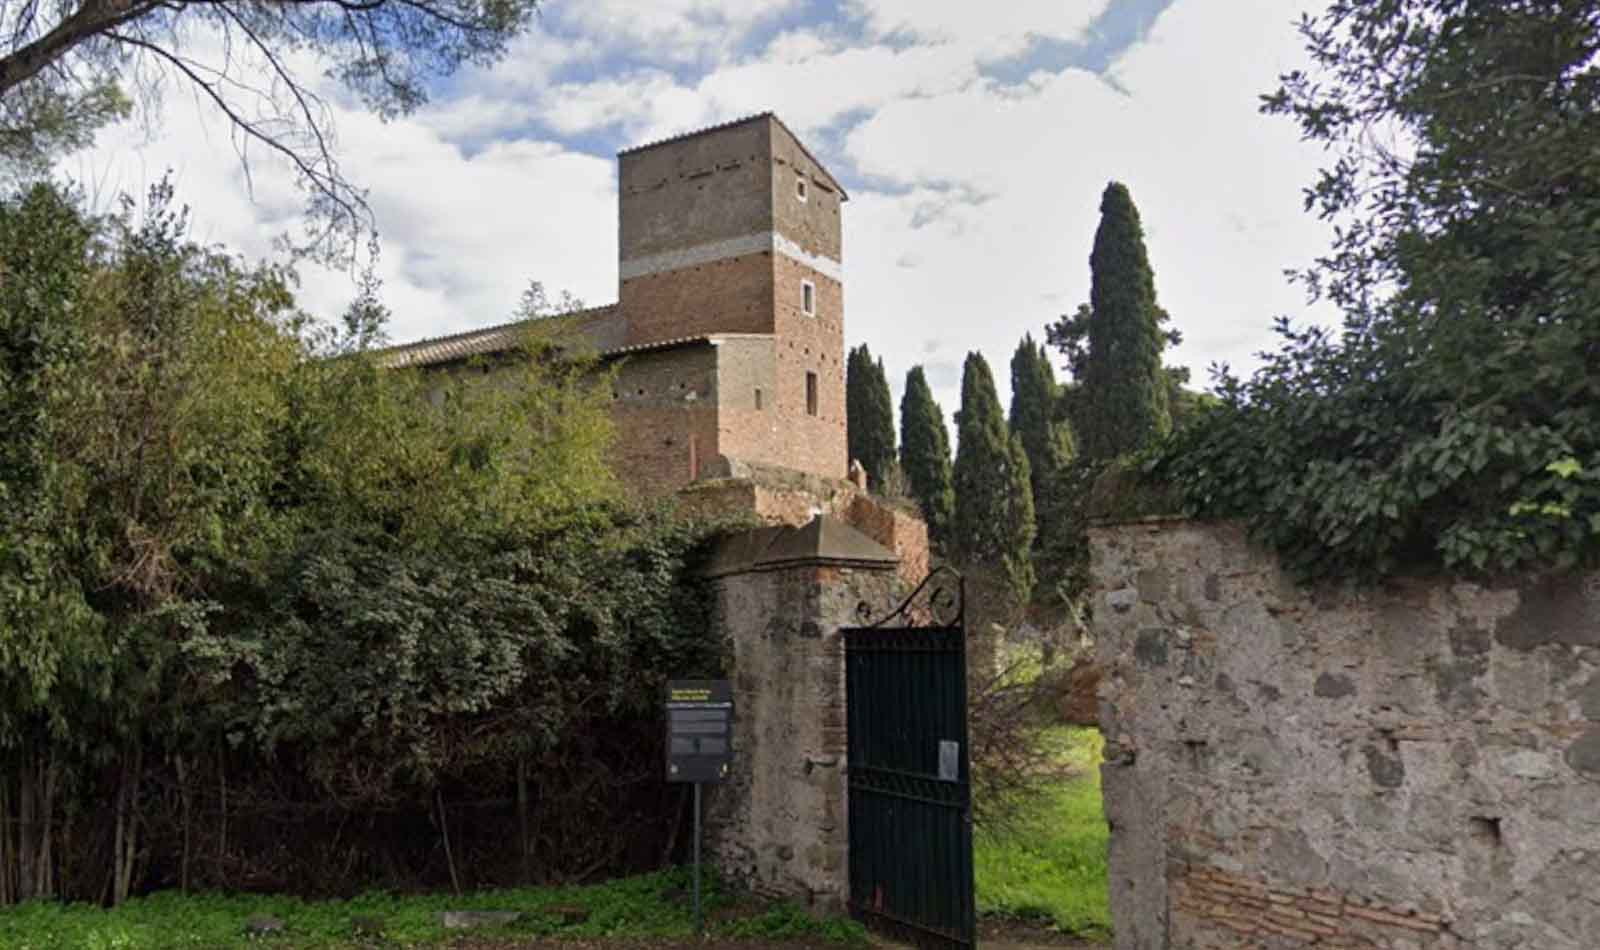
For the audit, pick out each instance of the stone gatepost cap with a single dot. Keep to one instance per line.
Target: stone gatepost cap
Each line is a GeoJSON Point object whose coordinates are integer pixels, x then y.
{"type": "Point", "coordinates": [824, 540]}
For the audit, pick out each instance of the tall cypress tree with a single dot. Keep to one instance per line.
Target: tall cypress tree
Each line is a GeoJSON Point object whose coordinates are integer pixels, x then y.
{"type": "Point", "coordinates": [1036, 419]}
{"type": "Point", "coordinates": [994, 500]}
{"type": "Point", "coordinates": [925, 455]}
{"type": "Point", "coordinates": [1124, 394]}
{"type": "Point", "coordinates": [1035, 399]}
{"type": "Point", "coordinates": [869, 414]}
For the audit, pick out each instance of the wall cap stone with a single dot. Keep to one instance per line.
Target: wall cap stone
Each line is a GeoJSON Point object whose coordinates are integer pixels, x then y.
{"type": "Point", "coordinates": [824, 541]}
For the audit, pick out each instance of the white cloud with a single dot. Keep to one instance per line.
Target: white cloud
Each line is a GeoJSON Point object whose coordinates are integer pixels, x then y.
{"type": "Point", "coordinates": [974, 203]}
{"type": "Point", "coordinates": [675, 30]}
{"type": "Point", "coordinates": [462, 234]}
{"type": "Point", "coordinates": [808, 81]}
{"type": "Point", "coordinates": [993, 27]}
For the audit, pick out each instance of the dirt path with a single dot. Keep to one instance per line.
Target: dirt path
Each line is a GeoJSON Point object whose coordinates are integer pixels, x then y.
{"type": "Point", "coordinates": [1016, 935]}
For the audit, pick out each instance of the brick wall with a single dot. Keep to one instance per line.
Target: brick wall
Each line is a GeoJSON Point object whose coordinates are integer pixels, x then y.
{"type": "Point", "coordinates": [665, 416]}
{"type": "Point", "coordinates": [812, 344]}
{"type": "Point", "coordinates": [813, 224]}
{"type": "Point", "coordinates": [733, 295]}
{"type": "Point", "coordinates": [902, 532]}
{"type": "Point", "coordinates": [746, 432]}
{"type": "Point", "coordinates": [1404, 768]}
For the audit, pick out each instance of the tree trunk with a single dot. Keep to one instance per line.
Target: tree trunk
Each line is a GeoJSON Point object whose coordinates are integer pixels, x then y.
{"type": "Point", "coordinates": [127, 850]}
{"type": "Point", "coordinates": [522, 818]}
{"type": "Point", "coordinates": [184, 797]}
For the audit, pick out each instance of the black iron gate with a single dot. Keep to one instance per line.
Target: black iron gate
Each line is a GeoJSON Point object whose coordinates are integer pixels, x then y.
{"type": "Point", "coordinates": [910, 789]}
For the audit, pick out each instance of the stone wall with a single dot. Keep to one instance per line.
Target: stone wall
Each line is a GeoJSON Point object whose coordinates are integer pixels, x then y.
{"type": "Point", "coordinates": [1403, 768]}
{"type": "Point", "coordinates": [778, 825]}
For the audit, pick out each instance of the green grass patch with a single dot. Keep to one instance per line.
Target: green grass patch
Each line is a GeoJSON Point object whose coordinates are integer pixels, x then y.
{"type": "Point", "coordinates": [652, 905]}
{"type": "Point", "coordinates": [1049, 863]}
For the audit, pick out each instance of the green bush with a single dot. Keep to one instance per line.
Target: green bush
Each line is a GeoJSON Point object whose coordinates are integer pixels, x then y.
{"type": "Point", "coordinates": [267, 608]}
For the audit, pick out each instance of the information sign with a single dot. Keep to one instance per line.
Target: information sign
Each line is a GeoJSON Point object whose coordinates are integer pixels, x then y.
{"type": "Point", "coordinates": [699, 730]}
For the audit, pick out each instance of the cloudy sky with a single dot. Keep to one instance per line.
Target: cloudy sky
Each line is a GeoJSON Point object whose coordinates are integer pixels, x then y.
{"type": "Point", "coordinates": [974, 139]}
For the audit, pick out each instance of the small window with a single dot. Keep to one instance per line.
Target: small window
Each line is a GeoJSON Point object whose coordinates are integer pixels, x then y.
{"type": "Point", "coordinates": [811, 394]}
{"type": "Point", "coordinates": [758, 398]}
{"type": "Point", "coordinates": [800, 188]}
{"type": "Point", "coordinates": [808, 298]}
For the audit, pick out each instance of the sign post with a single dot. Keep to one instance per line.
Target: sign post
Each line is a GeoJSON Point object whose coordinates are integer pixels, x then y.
{"type": "Point", "coordinates": [699, 748]}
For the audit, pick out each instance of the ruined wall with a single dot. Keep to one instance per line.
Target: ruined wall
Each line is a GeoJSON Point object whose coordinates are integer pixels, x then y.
{"type": "Point", "coordinates": [899, 530]}
{"type": "Point", "coordinates": [1414, 767]}
{"type": "Point", "coordinates": [778, 826]}
{"type": "Point", "coordinates": [779, 497]}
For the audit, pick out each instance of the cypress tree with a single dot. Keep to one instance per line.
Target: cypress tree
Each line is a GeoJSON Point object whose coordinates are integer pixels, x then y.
{"type": "Point", "coordinates": [925, 454]}
{"type": "Point", "coordinates": [1035, 399]}
{"type": "Point", "coordinates": [994, 500]}
{"type": "Point", "coordinates": [869, 414]}
{"type": "Point", "coordinates": [1037, 419]}
{"type": "Point", "coordinates": [1124, 396]}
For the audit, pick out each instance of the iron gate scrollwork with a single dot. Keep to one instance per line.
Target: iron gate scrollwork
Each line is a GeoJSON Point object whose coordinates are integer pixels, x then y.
{"type": "Point", "coordinates": [910, 789]}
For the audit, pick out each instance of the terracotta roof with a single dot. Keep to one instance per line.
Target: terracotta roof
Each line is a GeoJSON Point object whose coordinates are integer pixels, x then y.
{"type": "Point", "coordinates": [707, 130]}
{"type": "Point", "coordinates": [733, 123]}
{"type": "Point", "coordinates": [505, 336]}
{"type": "Point", "coordinates": [431, 351]}
{"type": "Point", "coordinates": [456, 346]}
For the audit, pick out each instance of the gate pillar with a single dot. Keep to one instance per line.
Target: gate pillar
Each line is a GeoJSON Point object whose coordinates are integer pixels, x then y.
{"type": "Point", "coordinates": [778, 824]}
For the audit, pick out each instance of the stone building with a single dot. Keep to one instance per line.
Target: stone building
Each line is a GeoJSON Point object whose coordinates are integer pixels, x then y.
{"type": "Point", "coordinates": [729, 320]}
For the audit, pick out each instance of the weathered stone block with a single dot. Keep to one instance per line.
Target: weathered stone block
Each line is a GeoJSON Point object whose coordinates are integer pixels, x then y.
{"type": "Point", "coordinates": [1150, 648]}
{"type": "Point", "coordinates": [1584, 755]}
{"type": "Point", "coordinates": [477, 919]}
{"type": "Point", "coordinates": [1334, 686]}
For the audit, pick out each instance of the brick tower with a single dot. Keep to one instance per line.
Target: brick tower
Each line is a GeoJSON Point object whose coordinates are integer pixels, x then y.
{"type": "Point", "coordinates": [731, 236]}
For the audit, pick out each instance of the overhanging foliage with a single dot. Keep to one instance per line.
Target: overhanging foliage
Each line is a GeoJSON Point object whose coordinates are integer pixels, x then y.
{"type": "Point", "coordinates": [1454, 420]}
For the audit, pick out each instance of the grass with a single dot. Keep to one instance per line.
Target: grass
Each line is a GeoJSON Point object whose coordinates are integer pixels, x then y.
{"type": "Point", "coordinates": [649, 906]}
{"type": "Point", "coordinates": [1049, 865]}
